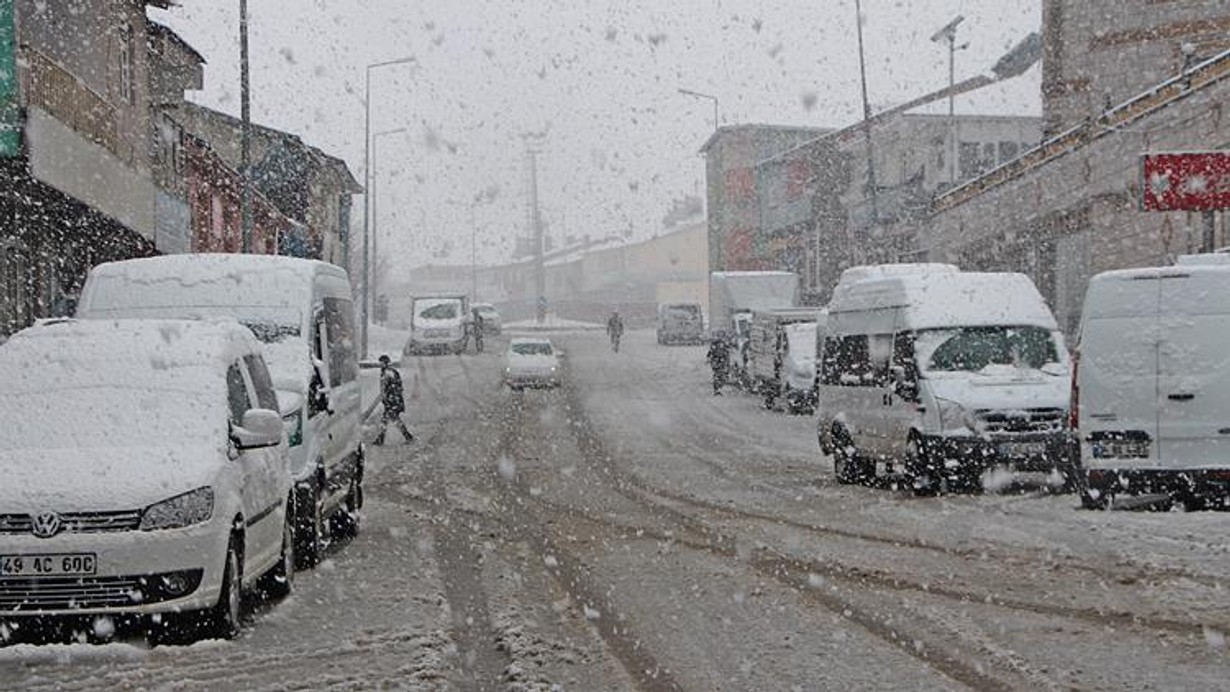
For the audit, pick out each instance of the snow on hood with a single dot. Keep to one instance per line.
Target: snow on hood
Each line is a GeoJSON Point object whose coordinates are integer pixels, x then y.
{"type": "Point", "coordinates": [101, 480]}
{"type": "Point", "coordinates": [999, 389]}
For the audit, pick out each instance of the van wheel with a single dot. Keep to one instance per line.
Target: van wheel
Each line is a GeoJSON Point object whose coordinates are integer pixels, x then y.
{"type": "Point", "coordinates": [922, 478]}
{"type": "Point", "coordinates": [848, 468]}
{"type": "Point", "coordinates": [279, 581]}
{"type": "Point", "coordinates": [310, 526]}
{"type": "Point", "coordinates": [770, 396]}
{"type": "Point", "coordinates": [345, 522]}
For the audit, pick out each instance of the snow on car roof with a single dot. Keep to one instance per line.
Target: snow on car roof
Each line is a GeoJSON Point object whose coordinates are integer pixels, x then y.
{"type": "Point", "coordinates": [181, 355]}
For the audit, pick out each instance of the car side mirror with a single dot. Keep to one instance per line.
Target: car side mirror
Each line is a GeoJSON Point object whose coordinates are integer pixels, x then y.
{"type": "Point", "coordinates": [261, 428]}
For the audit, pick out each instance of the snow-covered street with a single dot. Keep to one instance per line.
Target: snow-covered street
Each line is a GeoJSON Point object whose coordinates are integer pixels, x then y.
{"type": "Point", "coordinates": [632, 531]}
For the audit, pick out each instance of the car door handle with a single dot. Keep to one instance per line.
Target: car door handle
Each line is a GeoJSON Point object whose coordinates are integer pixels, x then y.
{"type": "Point", "coordinates": [1181, 397]}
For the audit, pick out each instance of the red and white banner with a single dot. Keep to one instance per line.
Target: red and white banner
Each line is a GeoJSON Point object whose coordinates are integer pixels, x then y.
{"type": "Point", "coordinates": [1186, 181]}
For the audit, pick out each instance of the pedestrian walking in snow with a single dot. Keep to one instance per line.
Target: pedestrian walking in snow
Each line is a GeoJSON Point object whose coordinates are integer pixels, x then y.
{"type": "Point", "coordinates": [615, 329]}
{"type": "Point", "coordinates": [393, 400]}
{"type": "Point", "coordinates": [719, 361]}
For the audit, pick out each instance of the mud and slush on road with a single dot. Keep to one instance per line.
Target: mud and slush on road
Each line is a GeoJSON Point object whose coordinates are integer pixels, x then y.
{"type": "Point", "coordinates": [630, 531]}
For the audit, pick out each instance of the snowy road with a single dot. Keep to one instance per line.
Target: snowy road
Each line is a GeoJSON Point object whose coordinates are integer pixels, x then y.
{"type": "Point", "coordinates": [631, 531]}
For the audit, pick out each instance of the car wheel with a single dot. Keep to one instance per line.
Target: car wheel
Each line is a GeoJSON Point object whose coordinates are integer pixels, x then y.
{"type": "Point", "coordinates": [223, 620]}
{"type": "Point", "coordinates": [311, 526]}
{"type": "Point", "coordinates": [279, 581]}
{"type": "Point", "coordinates": [922, 478]}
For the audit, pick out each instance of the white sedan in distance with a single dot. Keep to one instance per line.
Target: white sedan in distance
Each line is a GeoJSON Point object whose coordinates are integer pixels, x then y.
{"type": "Point", "coordinates": [532, 362]}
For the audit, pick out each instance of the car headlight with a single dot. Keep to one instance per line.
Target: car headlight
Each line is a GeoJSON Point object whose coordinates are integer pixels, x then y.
{"type": "Point", "coordinates": [193, 507]}
{"type": "Point", "coordinates": [954, 416]}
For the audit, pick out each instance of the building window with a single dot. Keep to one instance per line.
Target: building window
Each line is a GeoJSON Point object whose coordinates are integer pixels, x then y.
{"type": "Point", "coordinates": [126, 90]}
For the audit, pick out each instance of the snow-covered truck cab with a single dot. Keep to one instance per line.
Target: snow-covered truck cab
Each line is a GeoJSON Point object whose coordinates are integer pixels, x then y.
{"type": "Point", "coordinates": [1153, 382]}
{"type": "Point", "coordinates": [438, 323]}
{"type": "Point", "coordinates": [302, 311]}
{"type": "Point", "coordinates": [941, 374]}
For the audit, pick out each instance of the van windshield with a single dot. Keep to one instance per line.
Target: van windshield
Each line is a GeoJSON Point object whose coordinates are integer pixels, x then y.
{"type": "Point", "coordinates": [971, 349]}
{"type": "Point", "coordinates": [441, 311]}
{"type": "Point", "coordinates": [681, 313]}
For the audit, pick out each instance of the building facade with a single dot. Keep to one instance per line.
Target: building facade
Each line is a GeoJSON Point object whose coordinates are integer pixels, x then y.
{"type": "Point", "coordinates": [1098, 54]}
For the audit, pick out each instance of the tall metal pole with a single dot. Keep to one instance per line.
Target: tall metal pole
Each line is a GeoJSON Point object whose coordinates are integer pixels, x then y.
{"type": "Point", "coordinates": [540, 278]}
{"type": "Point", "coordinates": [245, 147]}
{"type": "Point", "coordinates": [473, 252]}
{"type": "Point", "coordinates": [367, 179]}
{"type": "Point", "coordinates": [871, 167]}
{"type": "Point", "coordinates": [952, 113]}
{"type": "Point", "coordinates": [375, 223]}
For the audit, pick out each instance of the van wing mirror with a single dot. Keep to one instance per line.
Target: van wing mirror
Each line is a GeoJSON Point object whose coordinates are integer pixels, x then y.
{"type": "Point", "coordinates": [903, 385]}
{"type": "Point", "coordinates": [261, 428]}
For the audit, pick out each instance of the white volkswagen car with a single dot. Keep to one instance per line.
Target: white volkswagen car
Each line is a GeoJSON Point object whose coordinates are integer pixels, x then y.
{"type": "Point", "coordinates": [145, 474]}
{"type": "Point", "coordinates": [531, 363]}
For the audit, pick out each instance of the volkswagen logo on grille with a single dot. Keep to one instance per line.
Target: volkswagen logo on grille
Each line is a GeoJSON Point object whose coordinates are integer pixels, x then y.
{"type": "Point", "coordinates": [46, 525]}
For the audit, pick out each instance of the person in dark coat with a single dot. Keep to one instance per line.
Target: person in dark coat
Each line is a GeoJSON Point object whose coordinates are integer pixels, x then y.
{"type": "Point", "coordinates": [476, 323]}
{"type": "Point", "coordinates": [719, 360]}
{"type": "Point", "coordinates": [393, 400]}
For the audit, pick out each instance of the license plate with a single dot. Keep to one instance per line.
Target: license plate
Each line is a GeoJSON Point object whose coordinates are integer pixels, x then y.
{"type": "Point", "coordinates": [1121, 449]}
{"type": "Point", "coordinates": [62, 565]}
{"type": "Point", "coordinates": [1022, 449]}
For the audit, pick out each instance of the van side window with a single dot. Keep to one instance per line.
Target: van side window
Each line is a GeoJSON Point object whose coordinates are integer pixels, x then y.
{"type": "Point", "coordinates": [853, 363]}
{"type": "Point", "coordinates": [237, 394]}
{"type": "Point", "coordinates": [339, 324]}
{"type": "Point", "coordinates": [879, 353]}
{"type": "Point", "coordinates": [903, 355]}
{"type": "Point", "coordinates": [262, 383]}
{"type": "Point", "coordinates": [830, 362]}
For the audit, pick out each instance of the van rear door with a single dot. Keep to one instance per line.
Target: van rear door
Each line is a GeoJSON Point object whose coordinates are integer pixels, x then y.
{"type": "Point", "coordinates": [1194, 369]}
{"type": "Point", "coordinates": [1117, 376]}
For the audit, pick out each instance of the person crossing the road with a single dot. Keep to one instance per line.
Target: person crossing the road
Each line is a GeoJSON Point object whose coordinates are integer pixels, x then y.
{"type": "Point", "coordinates": [615, 329]}
{"type": "Point", "coordinates": [719, 360]}
{"type": "Point", "coordinates": [393, 400]}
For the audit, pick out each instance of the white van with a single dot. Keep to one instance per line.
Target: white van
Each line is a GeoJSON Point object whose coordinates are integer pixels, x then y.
{"type": "Point", "coordinates": [767, 344]}
{"type": "Point", "coordinates": [798, 378]}
{"type": "Point", "coordinates": [145, 474]}
{"type": "Point", "coordinates": [1152, 383]}
{"type": "Point", "coordinates": [303, 312]}
{"type": "Point", "coordinates": [941, 374]}
{"type": "Point", "coordinates": [439, 323]}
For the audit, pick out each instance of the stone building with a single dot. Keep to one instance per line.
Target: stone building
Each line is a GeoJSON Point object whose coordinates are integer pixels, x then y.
{"type": "Point", "coordinates": [79, 187]}
{"type": "Point", "coordinates": [1098, 54]}
{"type": "Point", "coordinates": [1117, 84]}
{"type": "Point", "coordinates": [731, 154]}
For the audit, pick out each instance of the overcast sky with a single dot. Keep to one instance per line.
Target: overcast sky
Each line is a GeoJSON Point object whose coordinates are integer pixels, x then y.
{"type": "Point", "coordinates": [598, 79]}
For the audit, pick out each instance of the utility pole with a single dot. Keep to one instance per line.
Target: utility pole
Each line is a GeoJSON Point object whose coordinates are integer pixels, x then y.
{"type": "Point", "coordinates": [540, 277]}
{"type": "Point", "coordinates": [871, 164]}
{"type": "Point", "coordinates": [245, 114]}
{"type": "Point", "coordinates": [949, 34]}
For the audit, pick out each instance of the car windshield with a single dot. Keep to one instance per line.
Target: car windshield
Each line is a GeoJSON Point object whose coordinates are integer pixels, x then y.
{"type": "Point", "coordinates": [525, 272]}
{"type": "Point", "coordinates": [532, 348]}
{"type": "Point", "coordinates": [971, 349]}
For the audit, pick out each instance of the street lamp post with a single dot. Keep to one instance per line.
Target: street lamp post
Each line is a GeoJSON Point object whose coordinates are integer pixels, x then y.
{"type": "Point", "coordinates": [375, 272]}
{"type": "Point", "coordinates": [949, 34]}
{"type": "Point", "coordinates": [697, 94]}
{"type": "Point", "coordinates": [245, 137]}
{"type": "Point", "coordinates": [367, 144]}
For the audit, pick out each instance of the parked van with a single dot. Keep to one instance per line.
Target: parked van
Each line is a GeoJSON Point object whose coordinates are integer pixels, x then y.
{"type": "Point", "coordinates": [941, 374]}
{"type": "Point", "coordinates": [680, 323]}
{"type": "Point", "coordinates": [439, 323]}
{"type": "Point", "coordinates": [145, 474]}
{"type": "Point", "coordinates": [1151, 402]}
{"type": "Point", "coordinates": [303, 312]}
{"type": "Point", "coordinates": [767, 345]}
{"type": "Point", "coordinates": [798, 376]}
